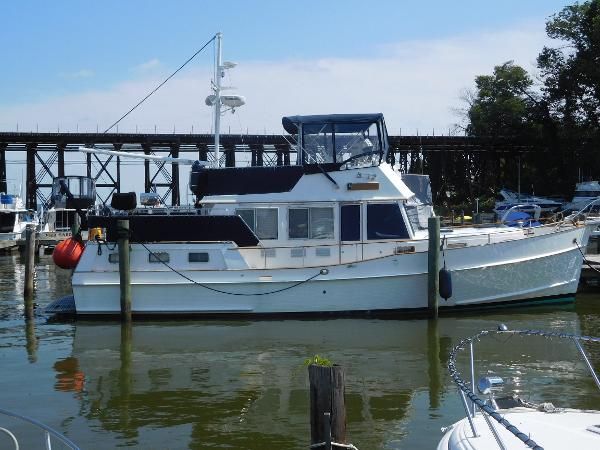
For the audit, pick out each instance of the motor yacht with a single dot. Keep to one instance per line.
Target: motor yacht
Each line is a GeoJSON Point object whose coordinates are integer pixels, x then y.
{"type": "Point", "coordinates": [339, 232]}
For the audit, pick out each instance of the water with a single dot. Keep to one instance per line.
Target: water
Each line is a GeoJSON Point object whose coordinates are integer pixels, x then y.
{"type": "Point", "coordinates": [243, 385]}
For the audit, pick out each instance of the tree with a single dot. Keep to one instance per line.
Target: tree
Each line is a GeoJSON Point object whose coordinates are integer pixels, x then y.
{"type": "Point", "coordinates": [571, 72]}
{"type": "Point", "coordinates": [500, 106]}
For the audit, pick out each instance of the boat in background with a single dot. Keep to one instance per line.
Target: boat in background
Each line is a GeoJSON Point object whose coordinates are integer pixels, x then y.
{"type": "Point", "coordinates": [14, 217]}
{"type": "Point", "coordinates": [511, 422]}
{"type": "Point", "coordinates": [61, 218]}
{"type": "Point", "coordinates": [507, 199]}
{"type": "Point", "coordinates": [585, 193]}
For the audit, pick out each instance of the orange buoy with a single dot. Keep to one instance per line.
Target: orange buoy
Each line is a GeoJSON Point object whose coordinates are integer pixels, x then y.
{"type": "Point", "coordinates": [67, 253]}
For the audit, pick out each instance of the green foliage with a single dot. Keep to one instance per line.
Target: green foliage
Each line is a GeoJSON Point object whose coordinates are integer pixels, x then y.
{"type": "Point", "coordinates": [318, 360]}
{"type": "Point", "coordinates": [560, 117]}
{"type": "Point", "coordinates": [501, 103]}
{"type": "Point", "coordinates": [571, 72]}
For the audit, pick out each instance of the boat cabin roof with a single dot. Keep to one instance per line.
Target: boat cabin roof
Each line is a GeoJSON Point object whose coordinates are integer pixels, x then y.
{"type": "Point", "coordinates": [345, 123]}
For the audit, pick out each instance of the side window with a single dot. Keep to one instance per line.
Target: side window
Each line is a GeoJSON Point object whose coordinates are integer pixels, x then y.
{"type": "Point", "coordinates": [321, 223]}
{"type": "Point", "coordinates": [298, 223]}
{"type": "Point", "coordinates": [384, 221]}
{"type": "Point", "coordinates": [262, 221]}
{"type": "Point", "coordinates": [266, 223]}
{"type": "Point", "coordinates": [311, 223]}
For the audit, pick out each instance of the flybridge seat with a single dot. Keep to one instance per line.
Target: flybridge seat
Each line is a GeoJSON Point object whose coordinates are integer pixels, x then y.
{"type": "Point", "coordinates": [250, 180]}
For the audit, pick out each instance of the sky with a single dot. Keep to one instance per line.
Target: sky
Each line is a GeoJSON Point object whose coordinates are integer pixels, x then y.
{"type": "Point", "coordinates": [78, 66]}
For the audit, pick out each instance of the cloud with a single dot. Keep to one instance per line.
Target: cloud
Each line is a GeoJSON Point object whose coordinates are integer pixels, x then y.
{"type": "Point", "coordinates": [82, 73]}
{"type": "Point", "coordinates": [416, 84]}
{"type": "Point", "coordinates": [147, 66]}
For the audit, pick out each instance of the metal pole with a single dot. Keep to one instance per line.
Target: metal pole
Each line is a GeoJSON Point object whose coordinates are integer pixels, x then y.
{"type": "Point", "coordinates": [587, 362]}
{"type": "Point", "coordinates": [468, 412]}
{"type": "Point", "coordinates": [494, 432]}
{"type": "Point", "coordinates": [472, 373]}
{"type": "Point", "coordinates": [218, 73]}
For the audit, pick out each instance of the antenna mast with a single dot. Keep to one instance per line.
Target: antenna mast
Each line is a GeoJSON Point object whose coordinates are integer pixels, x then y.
{"type": "Point", "coordinates": [217, 88]}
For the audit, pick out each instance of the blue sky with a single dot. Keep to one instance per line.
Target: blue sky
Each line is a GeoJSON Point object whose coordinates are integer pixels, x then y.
{"type": "Point", "coordinates": [79, 65]}
{"type": "Point", "coordinates": [54, 48]}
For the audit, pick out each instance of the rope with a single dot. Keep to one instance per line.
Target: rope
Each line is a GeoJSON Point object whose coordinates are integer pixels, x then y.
{"type": "Point", "coordinates": [585, 260]}
{"type": "Point", "coordinates": [160, 85]}
{"type": "Point", "coordinates": [244, 294]}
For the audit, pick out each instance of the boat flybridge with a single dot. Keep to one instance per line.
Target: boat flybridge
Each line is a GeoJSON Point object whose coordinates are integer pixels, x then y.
{"type": "Point", "coordinates": [338, 232]}
{"type": "Point", "coordinates": [60, 217]}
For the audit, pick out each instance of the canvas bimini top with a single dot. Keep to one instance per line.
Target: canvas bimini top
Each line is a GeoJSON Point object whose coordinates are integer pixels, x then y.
{"type": "Point", "coordinates": [343, 122]}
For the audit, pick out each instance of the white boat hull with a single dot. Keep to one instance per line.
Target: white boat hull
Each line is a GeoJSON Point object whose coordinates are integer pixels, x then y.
{"type": "Point", "coordinates": [544, 266]}
{"type": "Point", "coordinates": [569, 428]}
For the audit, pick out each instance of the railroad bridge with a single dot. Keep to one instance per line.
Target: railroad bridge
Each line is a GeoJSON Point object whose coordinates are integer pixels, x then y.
{"type": "Point", "coordinates": [445, 158]}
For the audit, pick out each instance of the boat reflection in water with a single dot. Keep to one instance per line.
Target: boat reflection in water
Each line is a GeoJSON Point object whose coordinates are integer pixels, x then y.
{"type": "Point", "coordinates": [244, 385]}
{"type": "Point", "coordinates": [232, 384]}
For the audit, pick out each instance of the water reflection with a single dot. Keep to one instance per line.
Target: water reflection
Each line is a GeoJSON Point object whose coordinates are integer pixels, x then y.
{"type": "Point", "coordinates": [244, 384]}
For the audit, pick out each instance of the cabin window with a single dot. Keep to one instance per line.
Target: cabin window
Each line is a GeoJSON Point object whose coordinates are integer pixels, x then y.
{"type": "Point", "coordinates": [113, 258]}
{"type": "Point", "coordinates": [384, 221]}
{"type": "Point", "coordinates": [262, 221]}
{"type": "Point", "coordinates": [418, 215]}
{"type": "Point", "coordinates": [350, 223]}
{"type": "Point", "coordinates": [198, 257]}
{"type": "Point", "coordinates": [298, 223]}
{"type": "Point", "coordinates": [158, 257]}
{"type": "Point", "coordinates": [311, 223]}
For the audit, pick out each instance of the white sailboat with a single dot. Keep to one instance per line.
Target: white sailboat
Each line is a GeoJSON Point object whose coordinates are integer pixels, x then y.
{"type": "Point", "coordinates": [338, 232]}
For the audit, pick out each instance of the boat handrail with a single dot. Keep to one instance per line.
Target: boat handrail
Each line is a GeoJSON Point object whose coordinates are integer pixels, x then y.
{"type": "Point", "coordinates": [538, 210]}
{"type": "Point", "coordinates": [588, 205]}
{"type": "Point", "coordinates": [48, 431]}
{"type": "Point", "coordinates": [468, 392]}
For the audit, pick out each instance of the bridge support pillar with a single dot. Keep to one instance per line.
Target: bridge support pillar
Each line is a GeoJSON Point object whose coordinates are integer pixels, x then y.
{"type": "Point", "coordinates": [3, 184]}
{"type": "Point", "coordinates": [147, 185]}
{"type": "Point", "coordinates": [31, 188]}
{"type": "Point", "coordinates": [202, 152]}
{"type": "Point", "coordinates": [229, 151]}
{"type": "Point", "coordinates": [175, 200]}
{"type": "Point", "coordinates": [60, 149]}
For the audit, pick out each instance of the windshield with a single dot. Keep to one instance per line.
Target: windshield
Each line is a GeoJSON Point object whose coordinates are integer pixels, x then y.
{"type": "Point", "coordinates": [357, 144]}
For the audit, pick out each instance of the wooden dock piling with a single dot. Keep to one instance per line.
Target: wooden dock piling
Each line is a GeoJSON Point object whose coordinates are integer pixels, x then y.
{"type": "Point", "coordinates": [327, 389]}
{"type": "Point", "coordinates": [29, 270]}
{"type": "Point", "coordinates": [433, 266]}
{"type": "Point", "coordinates": [124, 269]}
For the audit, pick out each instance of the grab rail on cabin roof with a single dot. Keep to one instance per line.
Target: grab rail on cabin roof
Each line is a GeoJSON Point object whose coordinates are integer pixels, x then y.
{"type": "Point", "coordinates": [467, 392]}
{"type": "Point", "coordinates": [49, 432]}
